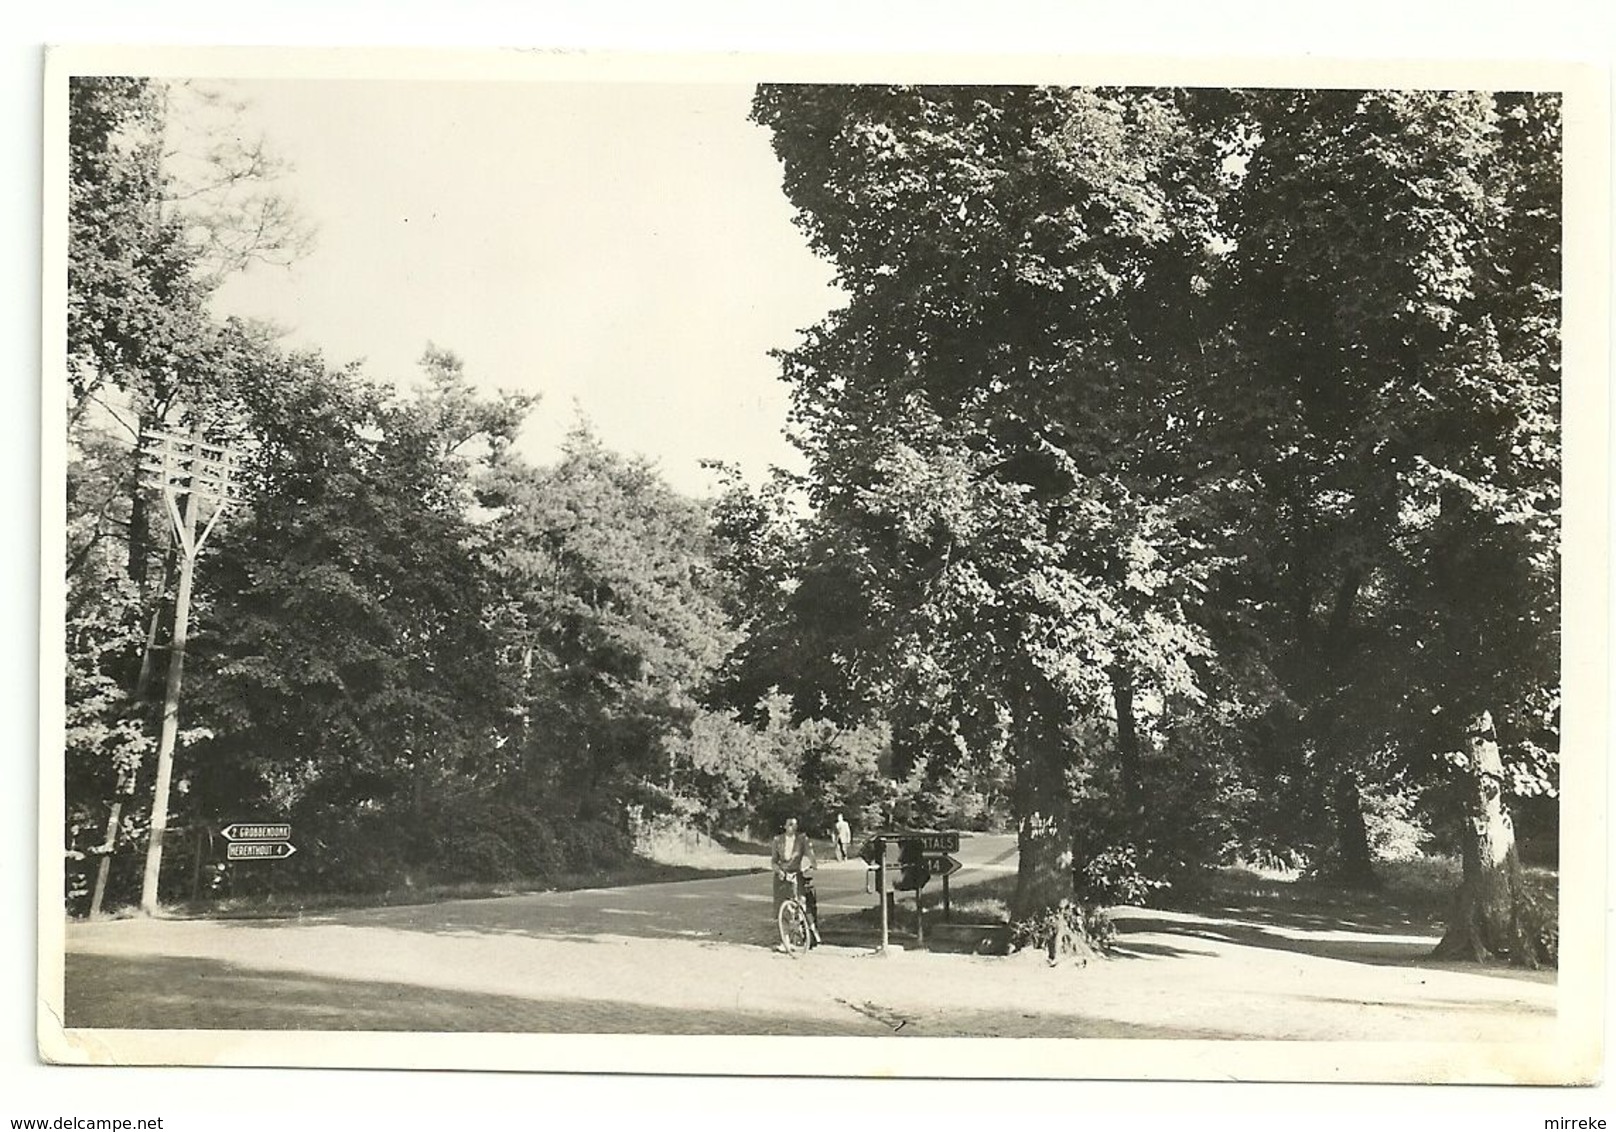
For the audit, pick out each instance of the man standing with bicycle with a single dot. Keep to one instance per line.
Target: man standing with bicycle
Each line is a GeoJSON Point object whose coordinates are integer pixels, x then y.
{"type": "Point", "coordinates": [794, 855]}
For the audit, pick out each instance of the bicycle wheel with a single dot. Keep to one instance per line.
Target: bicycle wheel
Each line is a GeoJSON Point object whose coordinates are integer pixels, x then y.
{"type": "Point", "coordinates": [793, 927]}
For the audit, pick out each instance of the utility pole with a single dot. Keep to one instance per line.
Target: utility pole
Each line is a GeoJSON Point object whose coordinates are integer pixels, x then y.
{"type": "Point", "coordinates": [191, 475]}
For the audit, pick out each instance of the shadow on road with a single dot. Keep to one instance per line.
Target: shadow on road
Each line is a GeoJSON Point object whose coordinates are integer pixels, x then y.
{"type": "Point", "coordinates": [1337, 914]}
{"type": "Point", "coordinates": [1400, 951]}
{"type": "Point", "coordinates": [149, 993]}
{"type": "Point", "coordinates": [153, 993]}
{"type": "Point", "coordinates": [1135, 950]}
{"type": "Point", "coordinates": [1390, 944]}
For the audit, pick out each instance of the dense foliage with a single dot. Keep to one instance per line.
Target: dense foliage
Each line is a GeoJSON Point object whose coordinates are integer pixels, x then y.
{"type": "Point", "coordinates": [1183, 485]}
{"type": "Point", "coordinates": [1194, 457]}
{"type": "Point", "coordinates": [437, 662]}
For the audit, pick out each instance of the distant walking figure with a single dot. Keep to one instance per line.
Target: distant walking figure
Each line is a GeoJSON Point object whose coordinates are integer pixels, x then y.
{"type": "Point", "coordinates": [844, 837]}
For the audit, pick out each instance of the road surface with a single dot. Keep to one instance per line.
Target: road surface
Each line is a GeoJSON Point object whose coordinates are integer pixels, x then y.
{"type": "Point", "coordinates": [701, 957]}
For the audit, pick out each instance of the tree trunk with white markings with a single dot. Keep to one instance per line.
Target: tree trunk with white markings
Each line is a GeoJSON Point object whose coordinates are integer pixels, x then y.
{"type": "Point", "coordinates": [1493, 914]}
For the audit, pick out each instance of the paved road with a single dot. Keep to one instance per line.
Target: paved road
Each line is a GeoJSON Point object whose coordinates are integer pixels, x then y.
{"type": "Point", "coordinates": [699, 957]}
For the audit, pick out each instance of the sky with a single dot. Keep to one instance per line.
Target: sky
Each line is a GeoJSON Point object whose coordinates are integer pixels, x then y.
{"type": "Point", "coordinates": [623, 249]}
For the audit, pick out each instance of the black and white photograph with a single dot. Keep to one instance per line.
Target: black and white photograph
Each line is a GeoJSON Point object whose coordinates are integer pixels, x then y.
{"type": "Point", "coordinates": [735, 566]}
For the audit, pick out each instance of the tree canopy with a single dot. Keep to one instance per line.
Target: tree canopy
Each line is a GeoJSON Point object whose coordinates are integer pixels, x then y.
{"type": "Point", "coordinates": [1156, 413]}
{"type": "Point", "coordinates": [1182, 484]}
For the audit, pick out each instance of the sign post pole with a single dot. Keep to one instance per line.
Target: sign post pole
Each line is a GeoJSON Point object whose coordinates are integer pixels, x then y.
{"type": "Point", "coordinates": [919, 855]}
{"type": "Point", "coordinates": [881, 895]}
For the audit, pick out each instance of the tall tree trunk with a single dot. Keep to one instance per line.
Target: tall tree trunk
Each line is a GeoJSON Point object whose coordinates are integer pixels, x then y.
{"type": "Point", "coordinates": [1355, 864]}
{"type": "Point", "coordinates": [1127, 743]}
{"type": "Point", "coordinates": [1043, 824]}
{"type": "Point", "coordinates": [138, 533]}
{"type": "Point", "coordinates": [139, 517]}
{"type": "Point", "coordinates": [1488, 919]}
{"type": "Point", "coordinates": [127, 785]}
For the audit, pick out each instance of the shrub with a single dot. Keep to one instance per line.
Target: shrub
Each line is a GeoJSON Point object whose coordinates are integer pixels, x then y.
{"type": "Point", "coordinates": [365, 852]}
{"type": "Point", "coordinates": [1537, 922]}
{"type": "Point", "coordinates": [586, 846]}
{"type": "Point", "coordinates": [476, 837]}
{"type": "Point", "coordinates": [1113, 876]}
{"type": "Point", "coordinates": [1068, 930]}
{"type": "Point", "coordinates": [468, 837]}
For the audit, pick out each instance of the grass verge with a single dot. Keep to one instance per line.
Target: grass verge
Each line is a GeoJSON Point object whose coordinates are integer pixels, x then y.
{"type": "Point", "coordinates": [1418, 892]}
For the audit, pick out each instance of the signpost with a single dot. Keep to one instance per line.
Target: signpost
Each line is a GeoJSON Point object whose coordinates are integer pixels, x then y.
{"type": "Point", "coordinates": [921, 854]}
{"type": "Point", "coordinates": [943, 866]}
{"type": "Point", "coordinates": [258, 841]}
{"type": "Point", "coordinates": [883, 893]}
{"type": "Point", "coordinates": [259, 850]}
{"type": "Point", "coordinates": [933, 841]}
{"type": "Point", "coordinates": [244, 831]}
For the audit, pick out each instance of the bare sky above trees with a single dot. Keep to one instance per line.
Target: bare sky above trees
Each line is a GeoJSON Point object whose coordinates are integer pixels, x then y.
{"type": "Point", "coordinates": [623, 250]}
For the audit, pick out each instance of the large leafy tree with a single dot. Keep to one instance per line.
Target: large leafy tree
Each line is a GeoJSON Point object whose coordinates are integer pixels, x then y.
{"type": "Point", "coordinates": [1213, 414]}
{"type": "Point", "coordinates": [134, 300]}
{"type": "Point", "coordinates": [1393, 364]}
{"type": "Point", "coordinates": [998, 561]}
{"type": "Point", "coordinates": [612, 618]}
{"type": "Point", "coordinates": [346, 652]}
{"type": "Point", "coordinates": [162, 205]}
{"type": "Point", "coordinates": [1346, 250]}
{"type": "Point", "coordinates": [140, 350]}
{"type": "Point", "coordinates": [1480, 544]}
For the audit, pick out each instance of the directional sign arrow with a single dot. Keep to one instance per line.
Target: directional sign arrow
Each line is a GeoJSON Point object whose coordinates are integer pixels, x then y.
{"type": "Point", "coordinates": [941, 865]}
{"type": "Point", "coordinates": [248, 831]}
{"type": "Point", "coordinates": [259, 850]}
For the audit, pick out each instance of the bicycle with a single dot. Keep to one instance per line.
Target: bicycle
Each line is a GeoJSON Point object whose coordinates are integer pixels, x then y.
{"type": "Point", "coordinates": [797, 929]}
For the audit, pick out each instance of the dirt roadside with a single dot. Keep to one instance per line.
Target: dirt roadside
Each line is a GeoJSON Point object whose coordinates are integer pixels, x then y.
{"type": "Point", "coordinates": [695, 958]}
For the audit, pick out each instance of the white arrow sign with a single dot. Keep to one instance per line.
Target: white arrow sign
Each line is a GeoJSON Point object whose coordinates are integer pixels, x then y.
{"type": "Point", "coordinates": [259, 850]}
{"type": "Point", "coordinates": [247, 831]}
